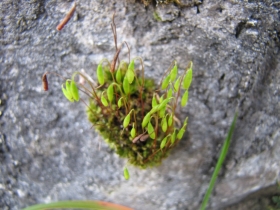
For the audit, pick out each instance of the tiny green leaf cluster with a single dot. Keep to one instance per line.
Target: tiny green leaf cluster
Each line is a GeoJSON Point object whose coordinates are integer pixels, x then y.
{"type": "Point", "coordinates": [71, 91]}
{"type": "Point", "coordinates": [132, 114]}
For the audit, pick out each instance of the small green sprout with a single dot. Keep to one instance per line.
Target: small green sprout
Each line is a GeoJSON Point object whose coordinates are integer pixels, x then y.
{"type": "Point", "coordinates": [104, 100]}
{"type": "Point", "coordinates": [126, 86]}
{"type": "Point", "coordinates": [130, 72]}
{"type": "Point", "coordinates": [71, 91]}
{"type": "Point", "coordinates": [126, 120]}
{"type": "Point", "coordinates": [188, 78]}
{"type": "Point", "coordinates": [185, 98]}
{"type": "Point", "coordinates": [163, 142]}
{"type": "Point", "coordinates": [165, 82]}
{"type": "Point", "coordinates": [146, 119]}
{"type": "Point", "coordinates": [133, 131]}
{"type": "Point", "coordinates": [164, 124]}
{"type": "Point", "coordinates": [151, 131]}
{"type": "Point", "coordinates": [100, 75]}
{"type": "Point", "coordinates": [126, 173]}
{"type": "Point", "coordinates": [173, 73]}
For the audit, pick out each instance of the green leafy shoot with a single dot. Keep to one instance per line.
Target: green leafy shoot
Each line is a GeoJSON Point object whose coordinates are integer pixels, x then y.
{"type": "Point", "coordinates": [164, 124]}
{"type": "Point", "coordinates": [126, 120]}
{"type": "Point", "coordinates": [119, 75]}
{"type": "Point", "coordinates": [126, 86]}
{"type": "Point", "coordinates": [110, 92]}
{"type": "Point", "coordinates": [120, 102]}
{"type": "Point", "coordinates": [170, 120]}
{"type": "Point", "coordinates": [219, 164]}
{"type": "Point", "coordinates": [165, 82]}
{"type": "Point", "coordinates": [180, 133]}
{"type": "Point", "coordinates": [100, 75]}
{"type": "Point", "coordinates": [164, 103]}
{"type": "Point", "coordinates": [173, 73]}
{"type": "Point", "coordinates": [75, 91]}
{"type": "Point", "coordinates": [173, 137]}
{"type": "Point", "coordinates": [151, 131]}
{"type": "Point", "coordinates": [104, 100]}
{"type": "Point", "coordinates": [126, 173]}
{"type": "Point", "coordinates": [67, 93]}
{"type": "Point", "coordinates": [71, 91]}
{"type": "Point", "coordinates": [177, 84]}
{"type": "Point", "coordinates": [154, 101]}
{"type": "Point", "coordinates": [130, 72]}
{"type": "Point", "coordinates": [169, 93]}
{"type": "Point", "coordinates": [146, 119]}
{"type": "Point", "coordinates": [133, 131]}
{"type": "Point", "coordinates": [188, 78]}
{"type": "Point", "coordinates": [163, 142]}
{"type": "Point", "coordinates": [185, 98]}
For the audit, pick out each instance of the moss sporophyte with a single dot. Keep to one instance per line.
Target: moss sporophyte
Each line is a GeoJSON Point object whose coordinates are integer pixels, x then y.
{"type": "Point", "coordinates": [135, 116]}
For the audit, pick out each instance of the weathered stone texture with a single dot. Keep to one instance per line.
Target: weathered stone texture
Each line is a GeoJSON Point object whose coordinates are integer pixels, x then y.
{"type": "Point", "coordinates": [48, 150]}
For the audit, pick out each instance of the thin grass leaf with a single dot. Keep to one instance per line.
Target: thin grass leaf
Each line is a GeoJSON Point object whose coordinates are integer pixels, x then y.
{"type": "Point", "coordinates": [218, 166]}
{"type": "Point", "coordinates": [89, 205]}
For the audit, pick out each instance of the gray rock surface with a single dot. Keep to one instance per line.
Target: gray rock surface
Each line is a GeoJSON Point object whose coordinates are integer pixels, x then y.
{"type": "Point", "coordinates": [49, 152]}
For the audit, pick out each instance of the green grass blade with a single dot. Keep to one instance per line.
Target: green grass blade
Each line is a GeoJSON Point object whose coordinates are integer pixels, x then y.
{"type": "Point", "coordinates": [92, 205]}
{"type": "Point", "coordinates": [219, 164]}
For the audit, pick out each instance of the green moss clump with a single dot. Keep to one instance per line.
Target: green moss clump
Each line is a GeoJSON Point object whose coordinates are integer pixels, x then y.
{"type": "Point", "coordinates": [134, 116]}
{"type": "Point", "coordinates": [111, 103]}
{"type": "Point", "coordinates": [108, 121]}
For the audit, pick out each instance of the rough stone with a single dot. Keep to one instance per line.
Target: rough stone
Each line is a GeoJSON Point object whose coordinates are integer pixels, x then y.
{"type": "Point", "coordinates": [49, 151]}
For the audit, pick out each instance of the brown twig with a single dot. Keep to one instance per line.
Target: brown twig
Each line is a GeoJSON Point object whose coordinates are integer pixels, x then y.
{"type": "Point", "coordinates": [66, 18]}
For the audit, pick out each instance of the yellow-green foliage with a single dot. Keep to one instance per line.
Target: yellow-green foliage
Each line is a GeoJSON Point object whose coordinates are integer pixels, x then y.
{"type": "Point", "coordinates": [135, 116]}
{"type": "Point", "coordinates": [128, 111]}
